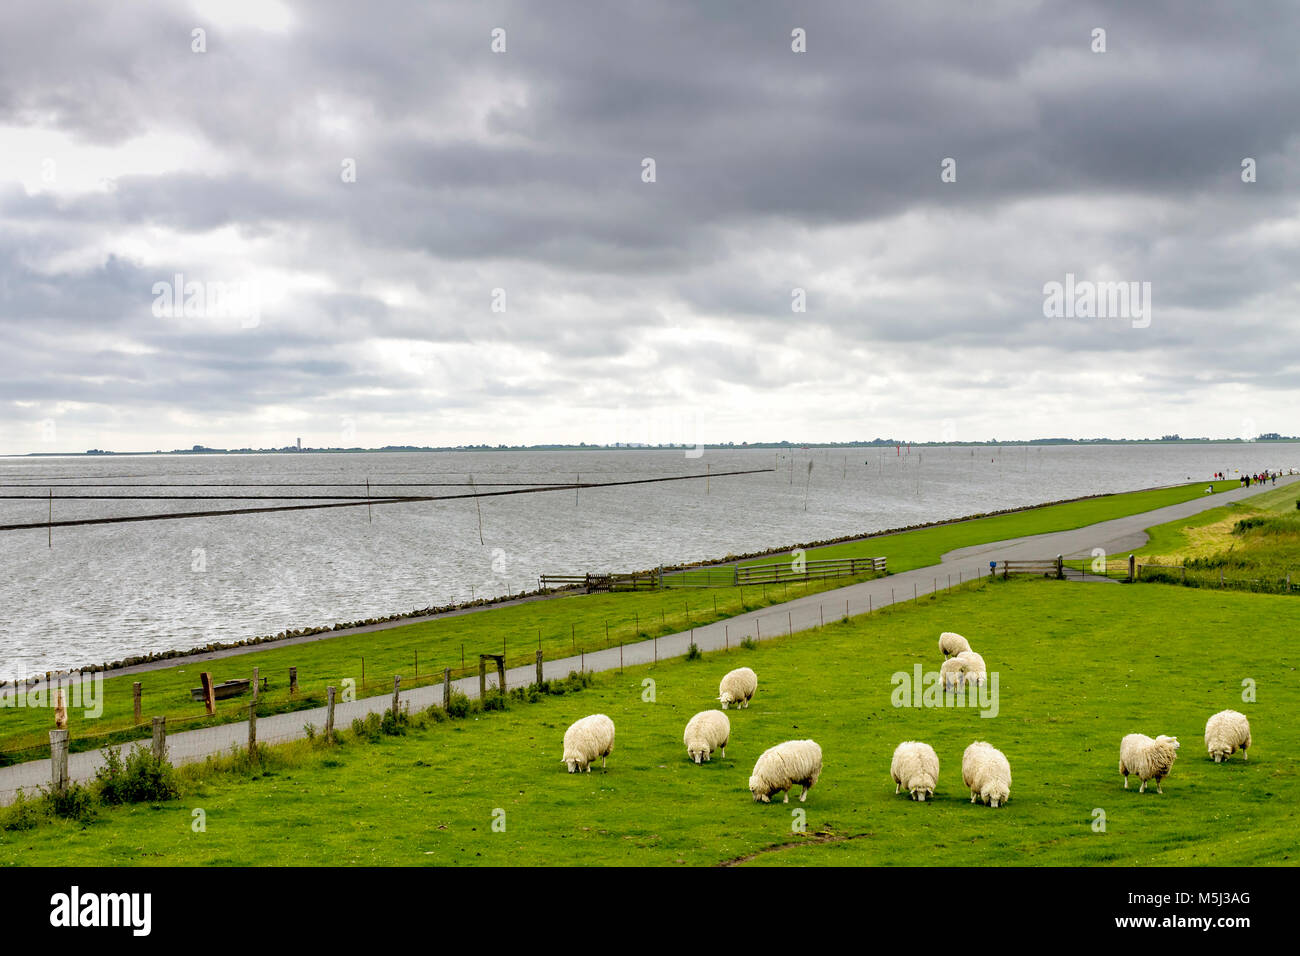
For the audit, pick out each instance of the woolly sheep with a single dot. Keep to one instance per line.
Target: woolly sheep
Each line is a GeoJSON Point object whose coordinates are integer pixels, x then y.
{"type": "Point", "coordinates": [706, 732]}
{"type": "Point", "coordinates": [587, 739]}
{"type": "Point", "coordinates": [1225, 732]}
{"type": "Point", "coordinates": [737, 687]}
{"type": "Point", "coordinates": [973, 670]}
{"type": "Point", "coordinates": [950, 673]}
{"type": "Point", "coordinates": [782, 766]}
{"type": "Point", "coordinates": [1147, 758]}
{"type": "Point", "coordinates": [986, 772]}
{"type": "Point", "coordinates": [951, 643]}
{"type": "Point", "coordinates": [916, 767]}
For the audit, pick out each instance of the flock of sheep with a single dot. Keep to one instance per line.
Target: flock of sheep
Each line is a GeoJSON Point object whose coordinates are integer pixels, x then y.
{"type": "Point", "coordinates": [777, 770]}
{"type": "Point", "coordinates": [985, 770]}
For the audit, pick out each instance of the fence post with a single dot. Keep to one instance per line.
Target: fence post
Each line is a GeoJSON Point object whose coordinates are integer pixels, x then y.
{"type": "Point", "coordinates": [539, 667]}
{"type": "Point", "coordinates": [482, 677]}
{"type": "Point", "coordinates": [293, 681]}
{"type": "Point", "coordinates": [1132, 569]}
{"type": "Point", "coordinates": [329, 712]}
{"type": "Point", "coordinates": [1060, 568]}
{"type": "Point", "coordinates": [209, 695]}
{"type": "Point", "coordinates": [501, 674]}
{"type": "Point", "coordinates": [397, 690]}
{"type": "Point", "coordinates": [446, 687]}
{"type": "Point", "coordinates": [252, 716]}
{"type": "Point", "coordinates": [58, 760]}
{"type": "Point", "coordinates": [135, 693]}
{"type": "Point", "coordinates": [160, 738]}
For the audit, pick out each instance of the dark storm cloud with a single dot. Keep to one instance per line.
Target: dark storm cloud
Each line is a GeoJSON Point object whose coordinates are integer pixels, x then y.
{"type": "Point", "coordinates": [775, 170]}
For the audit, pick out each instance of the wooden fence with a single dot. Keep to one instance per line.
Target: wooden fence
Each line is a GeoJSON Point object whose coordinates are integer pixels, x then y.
{"type": "Point", "coordinates": [737, 575]}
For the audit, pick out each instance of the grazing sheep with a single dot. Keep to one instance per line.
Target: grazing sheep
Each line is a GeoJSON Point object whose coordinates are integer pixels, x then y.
{"type": "Point", "coordinates": [985, 770]}
{"type": "Point", "coordinates": [972, 668]}
{"type": "Point", "coordinates": [951, 643]}
{"type": "Point", "coordinates": [706, 732]}
{"type": "Point", "coordinates": [916, 767]}
{"type": "Point", "coordinates": [950, 673]}
{"type": "Point", "coordinates": [782, 766]}
{"type": "Point", "coordinates": [737, 687]}
{"type": "Point", "coordinates": [1225, 732]}
{"type": "Point", "coordinates": [1149, 759]}
{"type": "Point", "coordinates": [587, 739]}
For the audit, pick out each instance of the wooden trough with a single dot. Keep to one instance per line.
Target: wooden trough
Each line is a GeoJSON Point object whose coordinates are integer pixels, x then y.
{"type": "Point", "coordinates": [224, 691]}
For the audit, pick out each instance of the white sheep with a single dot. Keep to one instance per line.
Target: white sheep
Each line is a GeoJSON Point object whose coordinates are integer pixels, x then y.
{"type": "Point", "coordinates": [707, 731]}
{"type": "Point", "coordinates": [952, 643]}
{"type": "Point", "coordinates": [987, 773]}
{"type": "Point", "coordinates": [737, 687]}
{"type": "Point", "coordinates": [782, 766]}
{"type": "Point", "coordinates": [916, 767]}
{"type": "Point", "coordinates": [587, 739]}
{"type": "Point", "coordinates": [950, 672]}
{"type": "Point", "coordinates": [1149, 759]}
{"type": "Point", "coordinates": [1225, 732]}
{"type": "Point", "coordinates": [973, 670]}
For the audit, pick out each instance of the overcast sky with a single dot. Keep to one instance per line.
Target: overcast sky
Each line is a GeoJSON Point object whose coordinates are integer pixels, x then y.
{"type": "Point", "coordinates": [362, 312]}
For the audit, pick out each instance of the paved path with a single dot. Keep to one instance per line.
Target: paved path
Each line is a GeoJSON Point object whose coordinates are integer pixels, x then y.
{"type": "Point", "coordinates": [1116, 537]}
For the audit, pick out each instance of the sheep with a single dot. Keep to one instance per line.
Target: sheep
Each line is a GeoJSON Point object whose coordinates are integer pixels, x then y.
{"type": "Point", "coordinates": [1225, 732]}
{"type": "Point", "coordinates": [985, 770]}
{"type": "Point", "coordinates": [782, 766]}
{"type": "Point", "coordinates": [950, 673]}
{"type": "Point", "coordinates": [951, 643]}
{"type": "Point", "coordinates": [916, 767]}
{"type": "Point", "coordinates": [973, 670]}
{"type": "Point", "coordinates": [587, 739]}
{"type": "Point", "coordinates": [707, 731]}
{"type": "Point", "coordinates": [737, 687]}
{"type": "Point", "coordinates": [1147, 758]}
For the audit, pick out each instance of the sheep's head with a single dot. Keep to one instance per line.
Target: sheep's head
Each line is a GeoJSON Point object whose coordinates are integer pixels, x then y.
{"type": "Point", "coordinates": [1169, 741]}
{"type": "Point", "coordinates": [574, 764]}
{"type": "Point", "coordinates": [997, 794]}
{"type": "Point", "coordinates": [726, 699]}
{"type": "Point", "coordinates": [757, 789]}
{"type": "Point", "coordinates": [698, 752]}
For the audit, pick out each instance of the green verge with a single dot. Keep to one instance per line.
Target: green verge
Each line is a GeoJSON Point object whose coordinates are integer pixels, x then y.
{"type": "Point", "coordinates": [1079, 666]}
{"type": "Point", "coordinates": [925, 546]}
{"type": "Point", "coordinates": [568, 624]}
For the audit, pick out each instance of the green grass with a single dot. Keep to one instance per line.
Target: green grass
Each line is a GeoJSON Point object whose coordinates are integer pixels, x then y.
{"type": "Point", "coordinates": [1079, 667]}
{"type": "Point", "coordinates": [566, 625]}
{"type": "Point", "coordinates": [925, 546]}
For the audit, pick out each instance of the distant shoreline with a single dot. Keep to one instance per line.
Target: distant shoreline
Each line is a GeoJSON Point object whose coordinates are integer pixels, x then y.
{"type": "Point", "coordinates": [798, 446]}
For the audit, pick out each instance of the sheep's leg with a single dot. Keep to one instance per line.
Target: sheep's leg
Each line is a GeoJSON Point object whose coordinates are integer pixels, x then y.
{"type": "Point", "coordinates": [1158, 790]}
{"type": "Point", "coordinates": [804, 796]}
{"type": "Point", "coordinates": [1126, 780]}
{"type": "Point", "coordinates": [1141, 789]}
{"type": "Point", "coordinates": [1243, 754]}
{"type": "Point", "coordinates": [896, 786]}
{"type": "Point", "coordinates": [972, 796]}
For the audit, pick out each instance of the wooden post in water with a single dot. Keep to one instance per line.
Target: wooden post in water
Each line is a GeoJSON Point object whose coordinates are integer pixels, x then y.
{"type": "Point", "coordinates": [329, 712]}
{"type": "Point", "coordinates": [135, 693]}
{"type": "Point", "coordinates": [58, 760]}
{"type": "Point", "coordinates": [209, 695]}
{"type": "Point", "coordinates": [160, 738]}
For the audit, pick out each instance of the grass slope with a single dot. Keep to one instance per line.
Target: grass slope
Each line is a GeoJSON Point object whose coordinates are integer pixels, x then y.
{"type": "Point", "coordinates": [1080, 666]}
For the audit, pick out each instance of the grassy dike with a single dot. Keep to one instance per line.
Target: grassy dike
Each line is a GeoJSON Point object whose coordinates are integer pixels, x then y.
{"type": "Point", "coordinates": [564, 624]}
{"type": "Point", "coordinates": [1079, 666]}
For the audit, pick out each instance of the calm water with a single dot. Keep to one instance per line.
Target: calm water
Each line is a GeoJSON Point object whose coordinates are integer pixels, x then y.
{"type": "Point", "coordinates": [103, 593]}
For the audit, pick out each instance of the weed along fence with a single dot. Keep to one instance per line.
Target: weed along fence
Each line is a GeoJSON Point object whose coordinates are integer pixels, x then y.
{"type": "Point", "coordinates": [1198, 576]}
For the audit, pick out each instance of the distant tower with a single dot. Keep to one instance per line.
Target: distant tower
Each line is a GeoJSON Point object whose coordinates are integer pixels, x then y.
{"type": "Point", "coordinates": [300, 444]}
